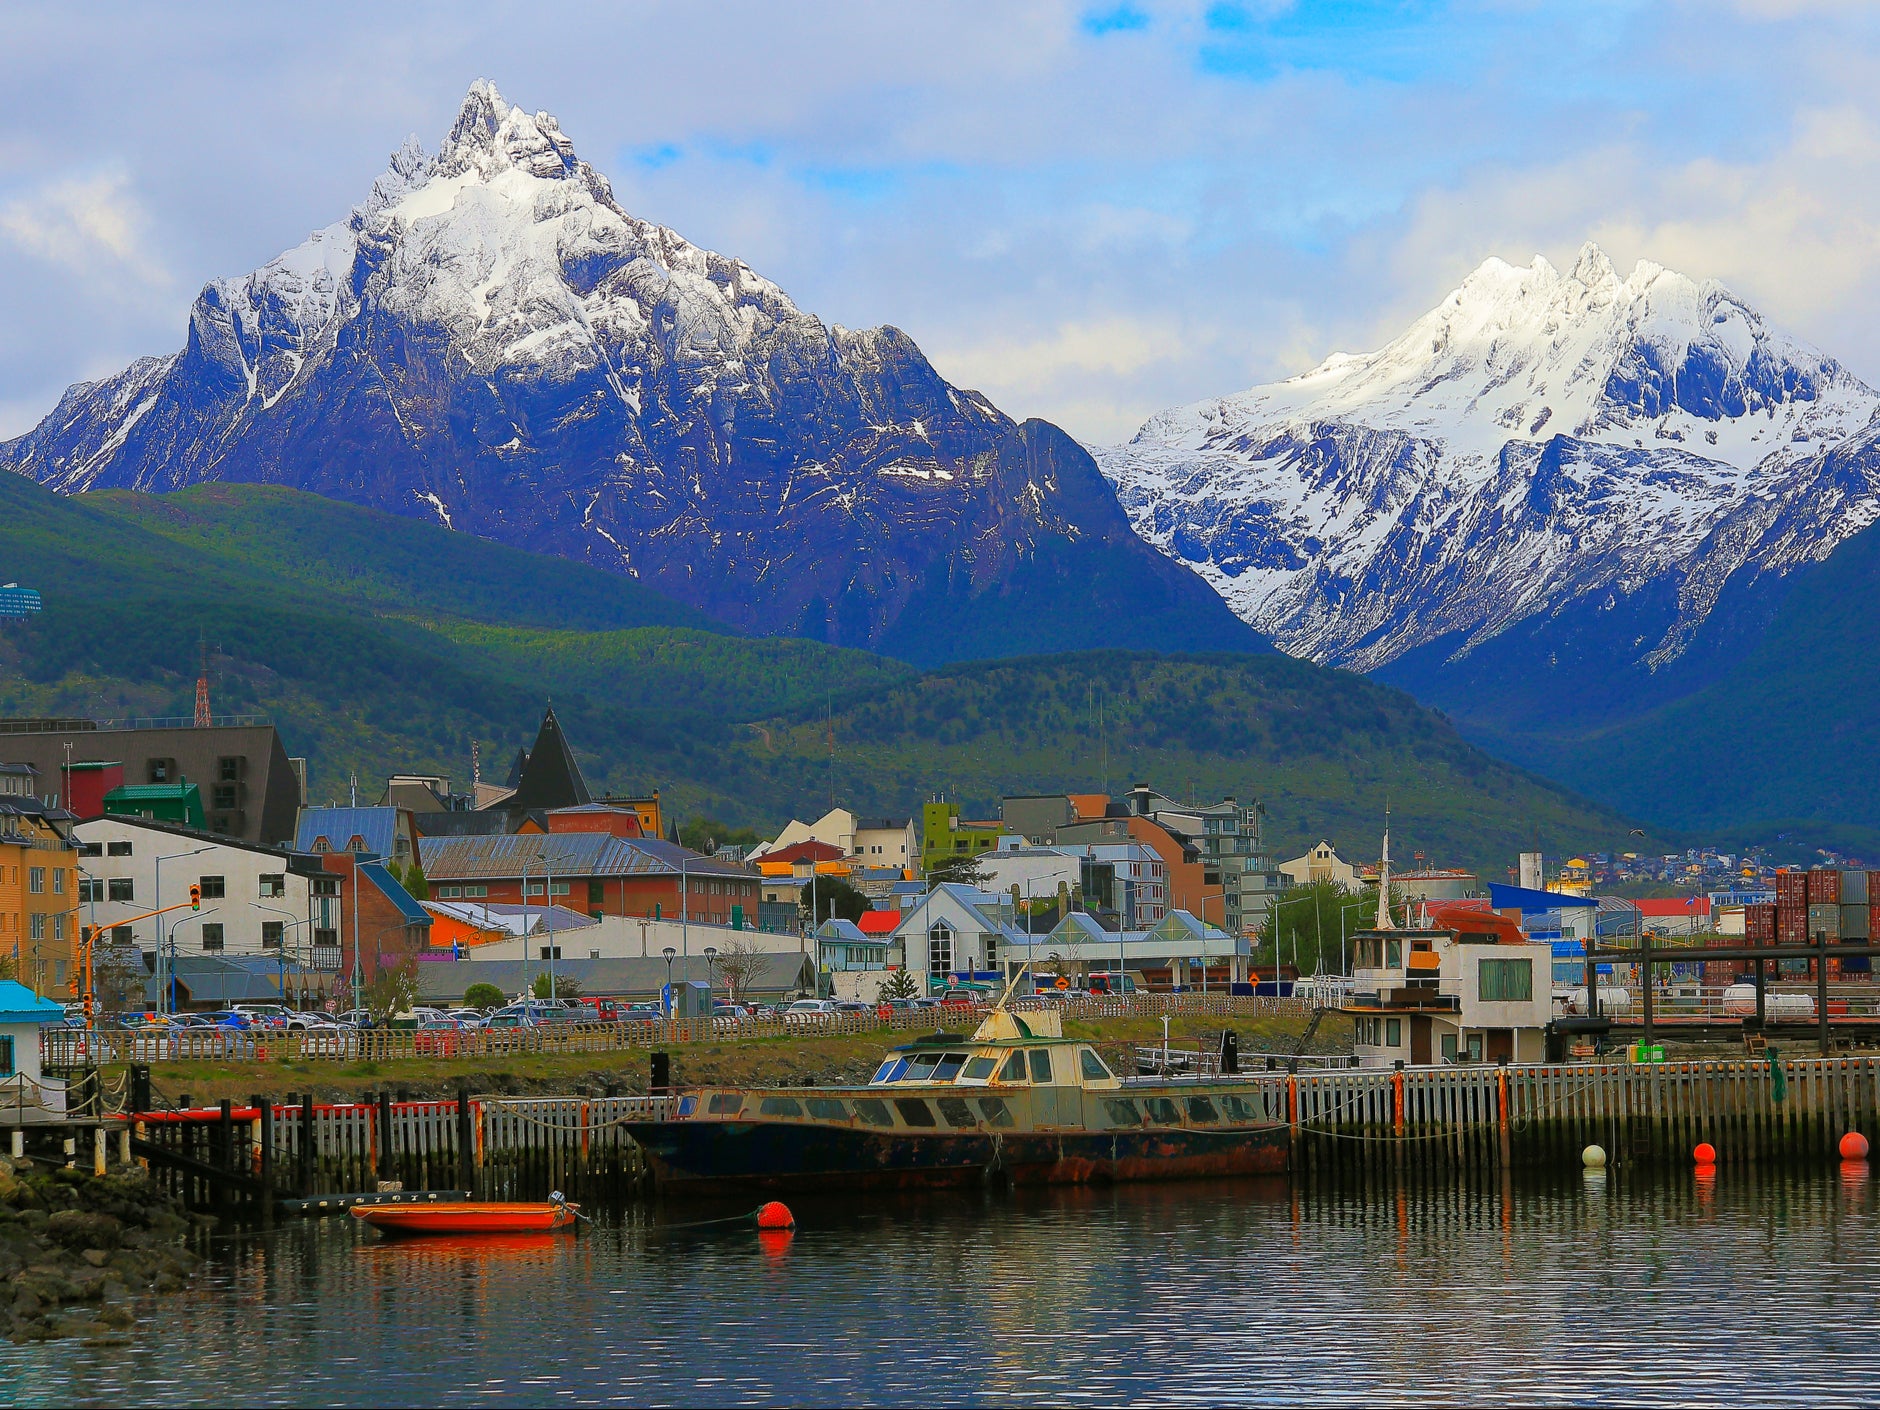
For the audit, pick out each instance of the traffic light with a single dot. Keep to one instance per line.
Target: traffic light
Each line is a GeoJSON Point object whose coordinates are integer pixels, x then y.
{"type": "Point", "coordinates": [195, 897]}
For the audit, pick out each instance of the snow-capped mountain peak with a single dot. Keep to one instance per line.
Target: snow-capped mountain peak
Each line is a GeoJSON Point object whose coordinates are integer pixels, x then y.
{"type": "Point", "coordinates": [1536, 436]}
{"type": "Point", "coordinates": [489, 340]}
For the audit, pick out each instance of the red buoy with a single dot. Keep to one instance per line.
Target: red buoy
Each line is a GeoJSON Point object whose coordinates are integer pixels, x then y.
{"type": "Point", "coordinates": [775, 1215]}
{"type": "Point", "coordinates": [1853, 1146]}
{"type": "Point", "coordinates": [1705, 1154]}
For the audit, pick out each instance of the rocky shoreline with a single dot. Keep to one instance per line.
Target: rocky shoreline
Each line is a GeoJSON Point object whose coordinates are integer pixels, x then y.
{"type": "Point", "coordinates": [76, 1249]}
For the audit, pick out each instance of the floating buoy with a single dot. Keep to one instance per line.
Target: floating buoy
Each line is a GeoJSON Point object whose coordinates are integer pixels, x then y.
{"type": "Point", "coordinates": [775, 1215]}
{"type": "Point", "coordinates": [1705, 1154]}
{"type": "Point", "coordinates": [1853, 1146]}
{"type": "Point", "coordinates": [1593, 1158]}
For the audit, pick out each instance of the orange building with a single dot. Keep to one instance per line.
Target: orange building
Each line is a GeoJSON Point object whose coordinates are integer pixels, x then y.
{"type": "Point", "coordinates": [39, 896]}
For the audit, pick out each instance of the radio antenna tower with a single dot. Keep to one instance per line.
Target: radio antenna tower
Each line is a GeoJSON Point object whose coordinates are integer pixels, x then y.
{"type": "Point", "coordinates": [203, 718]}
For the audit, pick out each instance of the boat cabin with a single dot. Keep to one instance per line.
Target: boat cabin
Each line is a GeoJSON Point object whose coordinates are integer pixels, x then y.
{"type": "Point", "coordinates": [1462, 993]}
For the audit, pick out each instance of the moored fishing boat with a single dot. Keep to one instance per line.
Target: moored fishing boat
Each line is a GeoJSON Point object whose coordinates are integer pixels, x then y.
{"type": "Point", "coordinates": [1016, 1100]}
{"type": "Point", "coordinates": [467, 1217]}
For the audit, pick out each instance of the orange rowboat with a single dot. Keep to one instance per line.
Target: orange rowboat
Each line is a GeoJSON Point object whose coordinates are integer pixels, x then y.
{"type": "Point", "coordinates": [467, 1218]}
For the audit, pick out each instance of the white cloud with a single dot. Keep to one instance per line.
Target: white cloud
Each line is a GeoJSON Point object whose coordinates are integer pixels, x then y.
{"type": "Point", "coordinates": [83, 222]}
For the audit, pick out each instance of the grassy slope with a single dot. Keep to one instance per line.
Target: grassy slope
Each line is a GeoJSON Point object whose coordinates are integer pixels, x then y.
{"type": "Point", "coordinates": [1785, 744]}
{"type": "Point", "coordinates": [381, 643]}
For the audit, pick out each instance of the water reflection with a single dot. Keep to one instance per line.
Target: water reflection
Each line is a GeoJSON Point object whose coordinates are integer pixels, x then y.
{"type": "Point", "coordinates": [1695, 1288]}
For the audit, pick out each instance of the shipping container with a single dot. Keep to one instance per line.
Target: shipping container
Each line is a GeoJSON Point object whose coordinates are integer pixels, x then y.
{"type": "Point", "coordinates": [1759, 923]}
{"type": "Point", "coordinates": [1873, 919]}
{"type": "Point", "coordinates": [1824, 919]}
{"type": "Point", "coordinates": [1854, 890]}
{"type": "Point", "coordinates": [1824, 886]}
{"type": "Point", "coordinates": [1854, 920]}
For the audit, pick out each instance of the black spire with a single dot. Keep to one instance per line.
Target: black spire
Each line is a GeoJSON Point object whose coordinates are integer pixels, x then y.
{"type": "Point", "coordinates": [550, 778]}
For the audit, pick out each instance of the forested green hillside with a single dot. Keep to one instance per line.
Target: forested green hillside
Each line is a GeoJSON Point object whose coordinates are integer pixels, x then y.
{"type": "Point", "coordinates": [379, 643]}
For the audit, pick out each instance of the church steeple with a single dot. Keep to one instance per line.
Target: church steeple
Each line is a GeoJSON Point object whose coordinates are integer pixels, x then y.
{"type": "Point", "coordinates": [550, 778]}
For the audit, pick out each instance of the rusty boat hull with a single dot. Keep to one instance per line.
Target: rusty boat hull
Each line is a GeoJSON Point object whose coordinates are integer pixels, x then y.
{"type": "Point", "coordinates": [720, 1156]}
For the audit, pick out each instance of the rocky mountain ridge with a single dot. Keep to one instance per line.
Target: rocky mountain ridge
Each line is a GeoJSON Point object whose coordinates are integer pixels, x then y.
{"type": "Point", "coordinates": [491, 341]}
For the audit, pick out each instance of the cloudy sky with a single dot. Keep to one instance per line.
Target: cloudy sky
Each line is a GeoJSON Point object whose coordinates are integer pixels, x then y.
{"type": "Point", "coordinates": [1086, 211]}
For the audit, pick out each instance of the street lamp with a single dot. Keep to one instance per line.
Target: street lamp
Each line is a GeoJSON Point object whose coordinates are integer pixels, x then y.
{"type": "Point", "coordinates": [1279, 906]}
{"type": "Point", "coordinates": [280, 955]}
{"type": "Point", "coordinates": [711, 955]}
{"type": "Point", "coordinates": [669, 952]}
{"type": "Point", "coordinates": [166, 980]}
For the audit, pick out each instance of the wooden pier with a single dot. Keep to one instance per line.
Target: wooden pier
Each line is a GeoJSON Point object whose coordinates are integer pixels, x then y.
{"type": "Point", "coordinates": [247, 1160]}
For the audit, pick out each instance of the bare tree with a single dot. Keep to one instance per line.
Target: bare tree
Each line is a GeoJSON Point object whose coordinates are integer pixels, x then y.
{"type": "Point", "coordinates": [738, 962]}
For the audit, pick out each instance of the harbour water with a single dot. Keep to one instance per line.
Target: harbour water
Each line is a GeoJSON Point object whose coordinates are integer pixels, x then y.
{"type": "Point", "coordinates": [1749, 1288]}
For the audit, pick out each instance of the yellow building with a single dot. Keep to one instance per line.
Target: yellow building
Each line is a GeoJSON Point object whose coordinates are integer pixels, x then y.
{"type": "Point", "coordinates": [38, 897]}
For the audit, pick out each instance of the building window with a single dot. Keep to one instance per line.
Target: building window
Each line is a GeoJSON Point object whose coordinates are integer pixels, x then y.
{"type": "Point", "coordinates": [449, 893]}
{"type": "Point", "coordinates": [58, 881]}
{"type": "Point", "coordinates": [326, 886]}
{"type": "Point", "coordinates": [117, 849]}
{"type": "Point", "coordinates": [597, 893]}
{"type": "Point", "coordinates": [212, 888]}
{"type": "Point", "coordinates": [211, 936]}
{"type": "Point", "coordinates": [90, 890]}
{"type": "Point", "coordinates": [273, 884]}
{"type": "Point", "coordinates": [122, 888]}
{"type": "Point", "coordinates": [1505, 981]}
{"type": "Point", "coordinates": [1393, 1032]}
{"type": "Point", "coordinates": [940, 950]}
{"type": "Point", "coordinates": [91, 849]}
{"type": "Point", "coordinates": [38, 926]}
{"type": "Point", "coordinates": [992, 951]}
{"type": "Point", "coordinates": [222, 796]}
{"type": "Point", "coordinates": [546, 952]}
{"type": "Point", "coordinates": [36, 880]}
{"type": "Point", "coordinates": [6, 1055]}
{"type": "Point", "coordinates": [230, 769]}
{"type": "Point", "coordinates": [326, 939]}
{"type": "Point", "coordinates": [122, 935]}
{"type": "Point", "coordinates": [272, 932]}
{"type": "Point", "coordinates": [160, 771]}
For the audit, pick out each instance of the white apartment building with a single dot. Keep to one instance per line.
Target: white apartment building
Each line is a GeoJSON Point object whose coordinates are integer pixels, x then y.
{"type": "Point", "coordinates": [870, 841]}
{"type": "Point", "coordinates": [255, 900]}
{"type": "Point", "coordinates": [1126, 877]}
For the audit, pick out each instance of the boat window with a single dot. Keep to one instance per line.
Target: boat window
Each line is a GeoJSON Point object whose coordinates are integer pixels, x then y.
{"type": "Point", "coordinates": [1093, 1065]}
{"type": "Point", "coordinates": [920, 1067]}
{"type": "Point", "coordinates": [995, 1110]}
{"type": "Point", "coordinates": [725, 1103]}
{"type": "Point", "coordinates": [873, 1111]}
{"type": "Point", "coordinates": [914, 1111]}
{"type": "Point", "coordinates": [957, 1113]}
{"type": "Point", "coordinates": [1122, 1111]}
{"type": "Point", "coordinates": [1014, 1069]}
{"type": "Point", "coordinates": [979, 1068]}
{"type": "Point", "coordinates": [1201, 1109]}
{"type": "Point", "coordinates": [1041, 1064]}
{"type": "Point", "coordinates": [1239, 1109]}
{"type": "Point", "coordinates": [889, 1070]}
{"type": "Point", "coordinates": [687, 1105]}
{"type": "Point", "coordinates": [827, 1109]}
{"type": "Point", "coordinates": [949, 1068]}
{"type": "Point", "coordinates": [780, 1106]}
{"type": "Point", "coordinates": [1162, 1111]}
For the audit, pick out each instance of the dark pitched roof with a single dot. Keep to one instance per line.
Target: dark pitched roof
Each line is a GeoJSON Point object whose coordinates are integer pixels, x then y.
{"type": "Point", "coordinates": [550, 778]}
{"type": "Point", "coordinates": [568, 854]}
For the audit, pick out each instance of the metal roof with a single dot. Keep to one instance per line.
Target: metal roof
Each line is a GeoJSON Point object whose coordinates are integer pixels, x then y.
{"type": "Point", "coordinates": [18, 1004]}
{"type": "Point", "coordinates": [407, 905]}
{"type": "Point", "coordinates": [568, 854]}
{"type": "Point", "coordinates": [375, 827]}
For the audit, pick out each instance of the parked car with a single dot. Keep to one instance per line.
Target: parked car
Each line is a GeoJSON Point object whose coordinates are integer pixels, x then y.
{"type": "Point", "coordinates": [505, 1019]}
{"type": "Point", "coordinates": [468, 1018]}
{"type": "Point", "coordinates": [639, 1013]}
{"type": "Point", "coordinates": [809, 1013]}
{"type": "Point", "coordinates": [851, 1006]}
